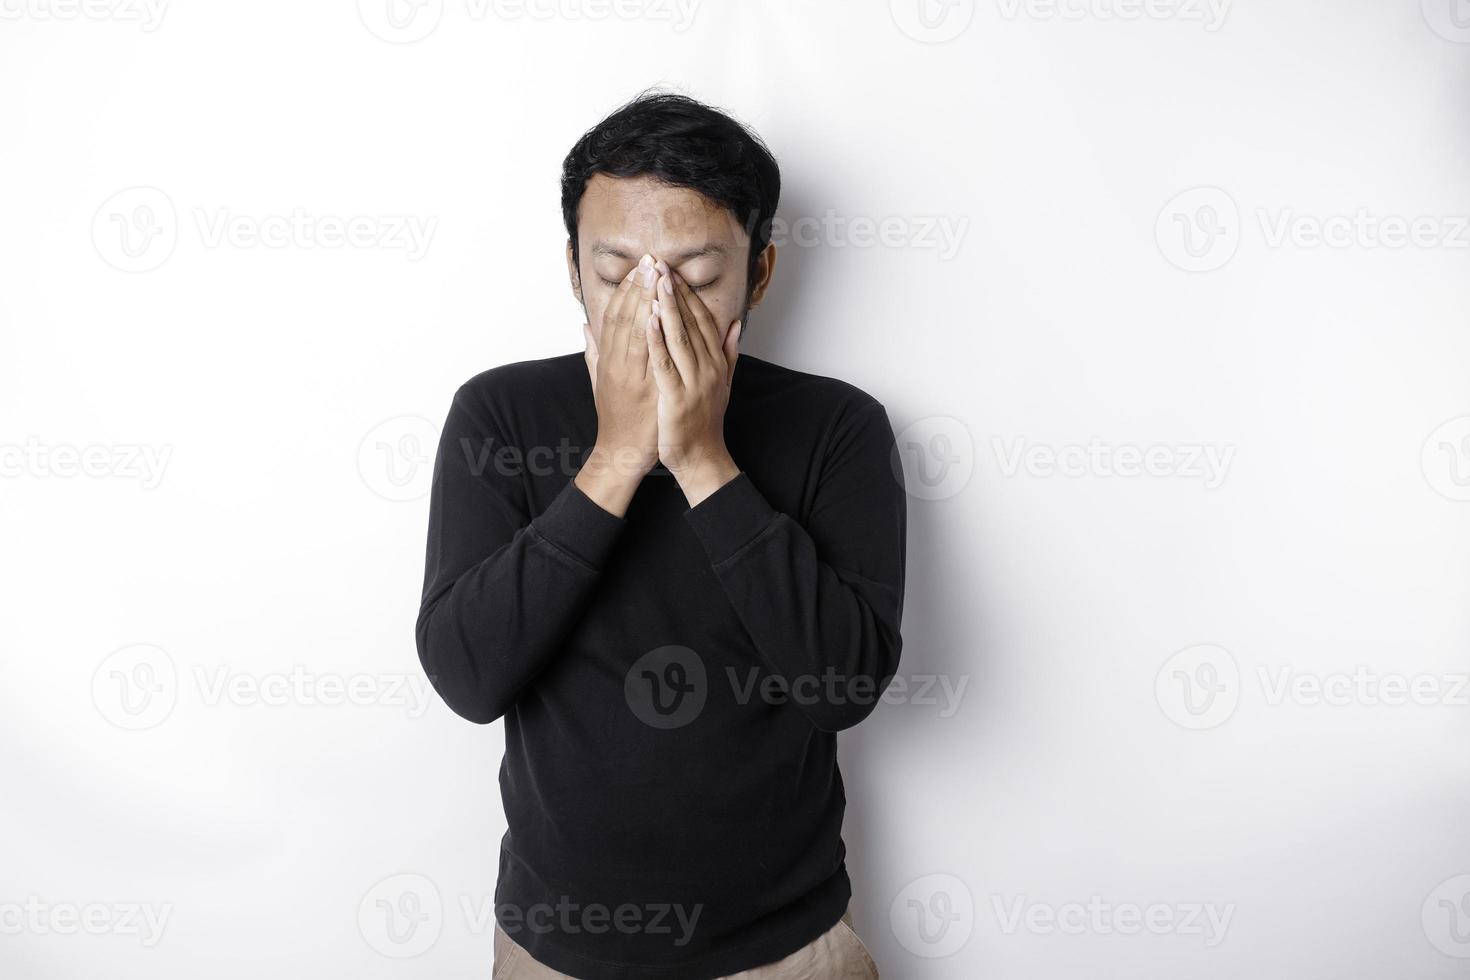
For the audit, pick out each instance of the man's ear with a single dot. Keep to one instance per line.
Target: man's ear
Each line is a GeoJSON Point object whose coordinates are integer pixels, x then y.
{"type": "Point", "coordinates": [765, 268]}
{"type": "Point", "coordinates": [573, 274]}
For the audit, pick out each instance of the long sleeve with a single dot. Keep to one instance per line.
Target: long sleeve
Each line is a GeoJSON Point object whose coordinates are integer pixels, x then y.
{"type": "Point", "coordinates": [501, 590]}
{"type": "Point", "coordinates": [821, 601]}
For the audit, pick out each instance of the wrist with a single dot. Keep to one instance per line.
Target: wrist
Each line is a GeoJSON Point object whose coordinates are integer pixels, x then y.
{"type": "Point", "coordinates": [705, 474]}
{"type": "Point", "coordinates": [610, 477]}
{"type": "Point", "coordinates": [620, 461]}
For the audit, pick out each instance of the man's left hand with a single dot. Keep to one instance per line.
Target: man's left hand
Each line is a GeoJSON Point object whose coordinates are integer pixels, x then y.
{"type": "Point", "coordinates": [693, 369]}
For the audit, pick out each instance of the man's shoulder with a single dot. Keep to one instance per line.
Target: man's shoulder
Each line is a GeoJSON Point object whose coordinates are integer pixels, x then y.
{"type": "Point", "coordinates": [759, 379]}
{"type": "Point", "coordinates": [540, 377]}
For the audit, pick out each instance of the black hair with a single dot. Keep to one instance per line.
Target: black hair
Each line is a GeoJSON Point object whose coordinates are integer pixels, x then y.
{"type": "Point", "coordinates": [683, 143]}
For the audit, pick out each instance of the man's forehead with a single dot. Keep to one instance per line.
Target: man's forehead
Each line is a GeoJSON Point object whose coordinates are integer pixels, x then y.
{"type": "Point", "coordinates": [626, 216]}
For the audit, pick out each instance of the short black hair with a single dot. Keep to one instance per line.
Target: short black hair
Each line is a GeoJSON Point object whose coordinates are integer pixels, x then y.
{"type": "Point", "coordinates": [683, 143]}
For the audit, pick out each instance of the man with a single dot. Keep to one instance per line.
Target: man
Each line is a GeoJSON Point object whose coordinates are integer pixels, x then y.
{"type": "Point", "coordinates": [675, 623]}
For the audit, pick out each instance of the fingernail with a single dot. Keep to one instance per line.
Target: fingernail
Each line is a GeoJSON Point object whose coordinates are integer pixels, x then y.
{"type": "Point", "coordinates": [665, 286]}
{"type": "Point", "coordinates": [646, 274]}
{"type": "Point", "coordinates": [631, 272]}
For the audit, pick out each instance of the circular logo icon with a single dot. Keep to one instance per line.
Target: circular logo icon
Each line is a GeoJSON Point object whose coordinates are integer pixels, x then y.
{"type": "Point", "coordinates": [1199, 229]}
{"type": "Point", "coordinates": [933, 916]}
{"type": "Point", "coordinates": [1198, 687]}
{"type": "Point", "coordinates": [666, 688]}
{"type": "Point", "coordinates": [136, 687]}
{"type": "Point", "coordinates": [1446, 917]}
{"type": "Point", "coordinates": [934, 457]}
{"type": "Point", "coordinates": [932, 21]}
{"type": "Point", "coordinates": [135, 230]}
{"type": "Point", "coordinates": [400, 21]}
{"type": "Point", "coordinates": [1450, 19]}
{"type": "Point", "coordinates": [401, 916]}
{"type": "Point", "coordinates": [396, 459]}
{"type": "Point", "coordinates": [1445, 459]}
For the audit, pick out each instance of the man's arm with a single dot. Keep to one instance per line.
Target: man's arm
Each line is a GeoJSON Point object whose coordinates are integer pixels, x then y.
{"type": "Point", "coordinates": [822, 602]}
{"type": "Point", "coordinates": [503, 591]}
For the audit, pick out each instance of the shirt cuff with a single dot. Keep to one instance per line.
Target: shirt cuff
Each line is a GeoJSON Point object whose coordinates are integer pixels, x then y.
{"type": "Point", "coordinates": [576, 525]}
{"type": "Point", "coordinates": [730, 518]}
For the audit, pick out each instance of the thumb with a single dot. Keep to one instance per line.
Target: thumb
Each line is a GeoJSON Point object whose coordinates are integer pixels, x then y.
{"type": "Point", "coordinates": [732, 350]}
{"type": "Point", "coordinates": [665, 374]}
{"type": "Point", "coordinates": [590, 356]}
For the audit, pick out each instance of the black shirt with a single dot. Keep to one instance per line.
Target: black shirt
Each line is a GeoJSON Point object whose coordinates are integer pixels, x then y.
{"type": "Point", "coordinates": [671, 681]}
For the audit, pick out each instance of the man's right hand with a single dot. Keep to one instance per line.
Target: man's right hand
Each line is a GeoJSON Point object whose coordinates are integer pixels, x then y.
{"type": "Point", "coordinates": [625, 393]}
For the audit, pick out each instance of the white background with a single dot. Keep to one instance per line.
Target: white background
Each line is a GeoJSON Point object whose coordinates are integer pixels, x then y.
{"type": "Point", "coordinates": [176, 635]}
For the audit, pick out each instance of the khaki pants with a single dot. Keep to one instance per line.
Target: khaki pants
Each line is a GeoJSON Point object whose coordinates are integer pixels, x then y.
{"type": "Point", "coordinates": [837, 954]}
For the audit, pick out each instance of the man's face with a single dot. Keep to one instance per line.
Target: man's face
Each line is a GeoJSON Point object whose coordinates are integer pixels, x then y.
{"type": "Point", "coordinates": [622, 218]}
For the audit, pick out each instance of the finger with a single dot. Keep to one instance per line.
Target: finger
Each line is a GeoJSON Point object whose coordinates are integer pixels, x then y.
{"type": "Point", "coordinates": [665, 370]}
{"type": "Point", "coordinates": [732, 350]}
{"type": "Point", "coordinates": [591, 356]}
{"type": "Point", "coordinates": [676, 335]}
{"type": "Point", "coordinates": [617, 315]}
{"type": "Point", "coordinates": [699, 314]}
{"type": "Point", "coordinates": [712, 362]}
{"type": "Point", "coordinates": [636, 350]}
